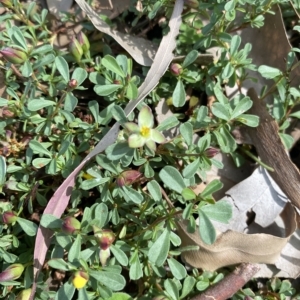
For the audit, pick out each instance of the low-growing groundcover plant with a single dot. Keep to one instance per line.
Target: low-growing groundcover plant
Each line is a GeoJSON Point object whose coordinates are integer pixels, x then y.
{"type": "Point", "coordinates": [117, 238]}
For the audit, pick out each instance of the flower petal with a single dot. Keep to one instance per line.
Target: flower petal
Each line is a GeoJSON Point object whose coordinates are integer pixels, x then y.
{"type": "Point", "coordinates": [157, 136]}
{"type": "Point", "coordinates": [151, 145]}
{"type": "Point", "coordinates": [131, 127]}
{"type": "Point", "coordinates": [145, 117]}
{"type": "Point", "coordinates": [136, 140]}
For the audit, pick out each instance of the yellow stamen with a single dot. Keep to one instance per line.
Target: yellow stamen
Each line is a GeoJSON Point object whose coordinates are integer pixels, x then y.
{"type": "Point", "coordinates": [145, 131]}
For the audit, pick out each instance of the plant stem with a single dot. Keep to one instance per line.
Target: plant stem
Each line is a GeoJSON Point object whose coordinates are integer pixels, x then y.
{"type": "Point", "coordinates": [257, 160]}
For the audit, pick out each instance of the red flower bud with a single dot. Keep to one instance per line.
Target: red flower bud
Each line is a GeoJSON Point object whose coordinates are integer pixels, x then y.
{"type": "Point", "coordinates": [128, 177]}
{"type": "Point", "coordinates": [9, 217]}
{"type": "Point", "coordinates": [83, 41]}
{"type": "Point", "coordinates": [211, 152]}
{"type": "Point", "coordinates": [13, 272]}
{"type": "Point", "coordinates": [105, 237]}
{"type": "Point", "coordinates": [176, 69]}
{"type": "Point", "coordinates": [14, 55]}
{"type": "Point", "coordinates": [73, 83]}
{"type": "Point", "coordinates": [80, 279]}
{"type": "Point", "coordinates": [71, 225]}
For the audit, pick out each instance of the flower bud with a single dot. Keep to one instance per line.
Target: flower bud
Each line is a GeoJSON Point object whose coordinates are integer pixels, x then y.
{"type": "Point", "coordinates": [13, 272]}
{"type": "Point", "coordinates": [24, 295]}
{"type": "Point", "coordinates": [105, 237]}
{"type": "Point", "coordinates": [73, 83]}
{"type": "Point", "coordinates": [76, 49]}
{"type": "Point", "coordinates": [191, 3]}
{"type": "Point", "coordinates": [9, 217]}
{"type": "Point", "coordinates": [176, 69]}
{"type": "Point", "coordinates": [6, 112]}
{"type": "Point", "coordinates": [71, 225]}
{"type": "Point", "coordinates": [14, 55]}
{"type": "Point", "coordinates": [104, 256]}
{"type": "Point", "coordinates": [84, 42]}
{"type": "Point", "coordinates": [128, 177]}
{"type": "Point", "coordinates": [211, 152]}
{"type": "Point", "coordinates": [80, 279]}
{"type": "Point", "coordinates": [6, 3]}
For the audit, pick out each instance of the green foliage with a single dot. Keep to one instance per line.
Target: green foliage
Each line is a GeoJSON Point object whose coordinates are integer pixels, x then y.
{"type": "Point", "coordinates": [59, 105]}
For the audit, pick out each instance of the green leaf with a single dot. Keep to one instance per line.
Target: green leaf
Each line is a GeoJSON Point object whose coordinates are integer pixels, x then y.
{"type": "Point", "coordinates": [79, 75]}
{"type": "Point", "coordinates": [235, 44]}
{"type": "Point", "coordinates": [220, 211]}
{"type": "Point", "coordinates": [202, 285]}
{"type": "Point", "coordinates": [120, 256]}
{"type": "Point", "coordinates": [154, 190]}
{"type": "Point", "coordinates": [191, 169]}
{"type": "Point", "coordinates": [38, 147]}
{"type": "Point", "coordinates": [120, 296]}
{"type": "Point", "coordinates": [171, 289]}
{"type": "Point", "coordinates": [219, 110]}
{"type": "Point", "coordinates": [186, 130]}
{"type": "Point", "coordinates": [83, 295]}
{"type": "Point", "coordinates": [295, 114]}
{"type": "Point", "coordinates": [44, 61]}
{"type": "Point", "coordinates": [75, 249]}
{"type": "Point", "coordinates": [269, 72]}
{"type": "Point", "coordinates": [168, 123]}
{"type": "Point", "coordinates": [111, 64]}
{"type": "Point", "coordinates": [159, 250]}
{"type": "Point", "coordinates": [61, 264]}
{"type": "Point", "coordinates": [117, 151]}
{"type": "Point", "coordinates": [50, 221]}
{"type": "Point", "coordinates": [41, 162]}
{"type": "Point", "coordinates": [188, 286]}
{"type": "Point", "coordinates": [206, 228]}
{"type": "Point", "coordinates": [227, 71]}
{"type": "Point", "coordinates": [188, 194]}
{"type": "Point", "coordinates": [178, 96]}
{"type": "Point", "coordinates": [287, 140]}
{"type": "Point", "coordinates": [172, 179]}
{"type": "Point", "coordinates": [27, 69]}
{"type": "Point", "coordinates": [190, 58]}
{"type": "Point", "coordinates": [220, 95]}
{"type": "Point", "coordinates": [249, 120]}
{"type": "Point", "coordinates": [62, 67]}
{"type": "Point", "coordinates": [66, 291]}
{"type": "Point", "coordinates": [211, 188]}
{"type": "Point", "coordinates": [18, 38]}
{"type": "Point", "coordinates": [225, 140]}
{"type": "Point", "coordinates": [131, 195]}
{"type": "Point", "coordinates": [119, 114]}
{"type": "Point", "coordinates": [91, 183]}
{"type": "Point", "coordinates": [28, 227]}
{"type": "Point", "coordinates": [135, 271]}
{"type": "Point", "coordinates": [70, 102]}
{"type": "Point", "coordinates": [177, 269]}
{"type": "Point", "coordinates": [105, 90]}
{"type": "Point", "coordinates": [114, 281]}
{"type": "Point", "coordinates": [3, 102]}
{"type": "Point", "coordinates": [132, 91]}
{"type": "Point", "coordinates": [2, 172]}
{"type": "Point", "coordinates": [101, 214]}
{"type": "Point", "coordinates": [37, 104]}
{"type": "Point", "coordinates": [242, 106]}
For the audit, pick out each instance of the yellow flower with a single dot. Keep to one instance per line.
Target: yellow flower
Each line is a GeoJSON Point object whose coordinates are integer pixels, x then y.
{"type": "Point", "coordinates": [80, 279]}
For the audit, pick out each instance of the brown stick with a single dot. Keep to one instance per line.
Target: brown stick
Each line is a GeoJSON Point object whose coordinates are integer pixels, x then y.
{"type": "Point", "coordinates": [230, 284]}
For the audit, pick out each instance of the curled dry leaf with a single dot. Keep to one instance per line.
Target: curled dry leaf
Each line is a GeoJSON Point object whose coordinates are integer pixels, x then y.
{"type": "Point", "coordinates": [232, 247]}
{"type": "Point", "coordinates": [141, 50]}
